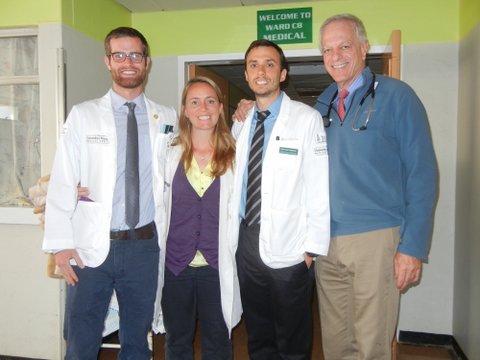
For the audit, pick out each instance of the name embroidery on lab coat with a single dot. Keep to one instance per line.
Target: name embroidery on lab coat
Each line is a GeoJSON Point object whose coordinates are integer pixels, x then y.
{"type": "Point", "coordinates": [97, 139]}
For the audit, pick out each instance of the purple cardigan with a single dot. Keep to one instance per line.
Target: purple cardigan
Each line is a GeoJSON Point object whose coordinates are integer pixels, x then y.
{"type": "Point", "coordinates": [193, 223]}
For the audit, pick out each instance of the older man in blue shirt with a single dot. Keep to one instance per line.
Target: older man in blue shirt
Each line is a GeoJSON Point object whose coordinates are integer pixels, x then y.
{"type": "Point", "coordinates": [383, 186]}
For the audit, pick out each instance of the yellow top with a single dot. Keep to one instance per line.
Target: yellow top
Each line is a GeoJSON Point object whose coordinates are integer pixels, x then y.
{"type": "Point", "coordinates": [200, 181]}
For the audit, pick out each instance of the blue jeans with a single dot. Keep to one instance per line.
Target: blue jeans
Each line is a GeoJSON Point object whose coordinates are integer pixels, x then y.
{"type": "Point", "coordinates": [131, 269]}
{"type": "Point", "coordinates": [194, 288]}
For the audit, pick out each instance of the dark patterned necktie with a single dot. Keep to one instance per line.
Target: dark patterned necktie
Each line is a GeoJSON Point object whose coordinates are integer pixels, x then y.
{"type": "Point", "coordinates": [132, 187]}
{"type": "Point", "coordinates": [254, 182]}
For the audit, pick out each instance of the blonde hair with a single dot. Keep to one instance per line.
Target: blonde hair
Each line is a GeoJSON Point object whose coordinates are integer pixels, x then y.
{"type": "Point", "coordinates": [222, 140]}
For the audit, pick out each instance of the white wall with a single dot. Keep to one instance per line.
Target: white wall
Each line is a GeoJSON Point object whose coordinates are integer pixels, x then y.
{"type": "Point", "coordinates": [162, 86]}
{"type": "Point", "coordinates": [432, 71]}
{"type": "Point", "coordinates": [29, 309]}
{"type": "Point", "coordinates": [466, 309]}
{"type": "Point", "coordinates": [87, 75]}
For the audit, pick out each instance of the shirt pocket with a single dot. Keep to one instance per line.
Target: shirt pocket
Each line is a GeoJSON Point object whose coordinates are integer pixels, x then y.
{"type": "Point", "coordinates": [287, 174]}
{"type": "Point", "coordinates": [288, 154]}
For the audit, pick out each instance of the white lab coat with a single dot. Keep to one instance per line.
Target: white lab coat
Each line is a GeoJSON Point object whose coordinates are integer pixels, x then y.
{"type": "Point", "coordinates": [164, 167]}
{"type": "Point", "coordinates": [87, 155]}
{"type": "Point", "coordinates": [295, 213]}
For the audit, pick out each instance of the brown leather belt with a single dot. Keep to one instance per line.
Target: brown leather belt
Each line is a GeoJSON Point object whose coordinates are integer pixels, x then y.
{"type": "Point", "coordinates": [143, 233]}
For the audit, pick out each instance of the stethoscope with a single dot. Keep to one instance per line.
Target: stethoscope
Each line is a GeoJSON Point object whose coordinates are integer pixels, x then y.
{"type": "Point", "coordinates": [327, 120]}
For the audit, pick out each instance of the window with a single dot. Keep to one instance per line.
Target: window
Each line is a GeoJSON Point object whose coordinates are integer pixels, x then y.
{"type": "Point", "coordinates": [20, 161]}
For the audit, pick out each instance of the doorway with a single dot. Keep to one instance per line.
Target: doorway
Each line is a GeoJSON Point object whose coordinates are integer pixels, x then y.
{"type": "Point", "coordinates": [307, 76]}
{"type": "Point", "coordinates": [306, 81]}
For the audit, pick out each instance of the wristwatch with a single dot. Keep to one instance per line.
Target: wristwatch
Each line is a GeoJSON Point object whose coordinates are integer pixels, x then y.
{"type": "Point", "coordinates": [311, 254]}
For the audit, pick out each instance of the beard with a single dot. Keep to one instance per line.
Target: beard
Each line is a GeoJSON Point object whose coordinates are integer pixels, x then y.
{"type": "Point", "coordinates": [128, 82]}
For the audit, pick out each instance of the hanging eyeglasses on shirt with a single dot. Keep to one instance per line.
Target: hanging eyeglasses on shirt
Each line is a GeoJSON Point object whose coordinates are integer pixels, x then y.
{"type": "Point", "coordinates": [327, 120]}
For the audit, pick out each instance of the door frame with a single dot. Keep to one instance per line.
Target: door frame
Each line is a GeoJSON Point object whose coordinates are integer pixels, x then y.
{"type": "Point", "coordinates": [184, 61]}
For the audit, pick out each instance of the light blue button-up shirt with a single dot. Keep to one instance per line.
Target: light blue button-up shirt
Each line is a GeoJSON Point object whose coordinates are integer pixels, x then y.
{"type": "Point", "coordinates": [147, 205]}
{"type": "Point", "coordinates": [355, 85]}
{"type": "Point", "coordinates": [268, 126]}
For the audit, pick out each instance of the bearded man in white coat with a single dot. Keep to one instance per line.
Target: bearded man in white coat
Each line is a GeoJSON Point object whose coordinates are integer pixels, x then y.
{"type": "Point", "coordinates": [108, 240]}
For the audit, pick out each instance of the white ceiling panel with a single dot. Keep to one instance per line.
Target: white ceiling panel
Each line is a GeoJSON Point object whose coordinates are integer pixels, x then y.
{"type": "Point", "coordinates": [140, 5]}
{"type": "Point", "coordinates": [266, 2]}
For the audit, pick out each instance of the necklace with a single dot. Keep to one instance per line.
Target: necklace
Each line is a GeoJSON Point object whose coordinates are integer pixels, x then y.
{"type": "Point", "coordinates": [204, 157]}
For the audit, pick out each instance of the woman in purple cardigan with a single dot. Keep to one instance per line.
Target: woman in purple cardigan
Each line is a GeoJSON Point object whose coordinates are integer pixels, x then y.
{"type": "Point", "coordinates": [197, 268]}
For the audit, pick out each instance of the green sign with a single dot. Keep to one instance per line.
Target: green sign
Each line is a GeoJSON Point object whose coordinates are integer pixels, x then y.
{"type": "Point", "coordinates": [286, 26]}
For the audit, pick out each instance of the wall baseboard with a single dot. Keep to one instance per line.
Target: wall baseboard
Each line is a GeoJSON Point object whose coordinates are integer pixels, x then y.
{"type": "Point", "coordinates": [429, 339]}
{"type": "Point", "coordinates": [4, 357]}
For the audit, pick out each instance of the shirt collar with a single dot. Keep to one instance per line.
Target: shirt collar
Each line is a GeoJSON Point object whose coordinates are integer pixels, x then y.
{"type": "Point", "coordinates": [274, 108]}
{"type": "Point", "coordinates": [356, 84]}
{"type": "Point", "coordinates": [118, 102]}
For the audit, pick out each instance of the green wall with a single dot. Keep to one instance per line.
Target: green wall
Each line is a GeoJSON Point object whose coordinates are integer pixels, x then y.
{"type": "Point", "coordinates": [469, 16]}
{"type": "Point", "coordinates": [94, 18]}
{"type": "Point", "coordinates": [17, 13]}
{"type": "Point", "coordinates": [232, 29]}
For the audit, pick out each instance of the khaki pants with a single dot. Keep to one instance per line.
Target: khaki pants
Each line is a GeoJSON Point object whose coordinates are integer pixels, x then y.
{"type": "Point", "coordinates": [358, 297]}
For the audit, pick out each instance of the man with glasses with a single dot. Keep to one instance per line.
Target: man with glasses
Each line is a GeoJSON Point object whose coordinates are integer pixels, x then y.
{"type": "Point", "coordinates": [383, 186]}
{"type": "Point", "coordinates": [108, 240]}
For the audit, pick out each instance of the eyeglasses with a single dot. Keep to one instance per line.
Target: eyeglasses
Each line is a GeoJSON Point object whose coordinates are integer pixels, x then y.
{"type": "Point", "coordinates": [120, 56]}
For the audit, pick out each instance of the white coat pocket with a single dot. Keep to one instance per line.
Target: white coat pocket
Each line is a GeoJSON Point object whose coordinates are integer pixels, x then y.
{"type": "Point", "coordinates": [87, 222]}
{"type": "Point", "coordinates": [286, 228]}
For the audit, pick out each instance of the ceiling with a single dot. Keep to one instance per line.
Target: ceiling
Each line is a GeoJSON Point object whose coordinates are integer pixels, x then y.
{"type": "Point", "coordinates": [175, 5]}
{"type": "Point", "coordinates": [307, 76]}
